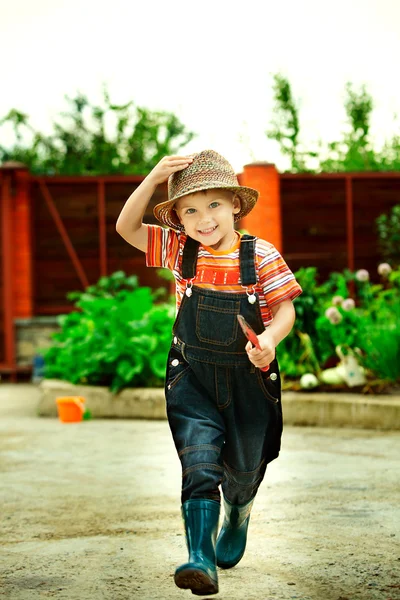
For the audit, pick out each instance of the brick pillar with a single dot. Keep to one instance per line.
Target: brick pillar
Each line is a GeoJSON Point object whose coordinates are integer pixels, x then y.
{"type": "Point", "coordinates": [264, 220]}
{"type": "Point", "coordinates": [23, 246]}
{"type": "Point", "coordinates": [21, 260]}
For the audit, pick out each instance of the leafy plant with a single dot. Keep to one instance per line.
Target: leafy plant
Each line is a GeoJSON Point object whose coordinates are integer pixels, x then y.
{"type": "Point", "coordinates": [118, 336]}
{"type": "Point", "coordinates": [380, 343]}
{"type": "Point", "coordinates": [379, 334]}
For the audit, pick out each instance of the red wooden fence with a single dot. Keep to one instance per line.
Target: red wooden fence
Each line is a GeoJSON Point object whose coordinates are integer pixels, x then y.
{"type": "Point", "coordinates": [58, 233]}
{"type": "Point", "coordinates": [328, 220]}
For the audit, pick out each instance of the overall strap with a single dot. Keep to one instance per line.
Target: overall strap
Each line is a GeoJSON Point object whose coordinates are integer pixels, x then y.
{"type": "Point", "coordinates": [248, 273]}
{"type": "Point", "coordinates": [189, 258]}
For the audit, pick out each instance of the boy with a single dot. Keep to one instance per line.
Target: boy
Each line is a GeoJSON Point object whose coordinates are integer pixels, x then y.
{"type": "Point", "coordinates": [223, 406]}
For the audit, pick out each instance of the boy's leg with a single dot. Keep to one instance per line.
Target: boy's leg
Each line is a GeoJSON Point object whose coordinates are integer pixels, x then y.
{"type": "Point", "coordinates": [253, 432]}
{"type": "Point", "coordinates": [198, 432]}
{"type": "Point", "coordinates": [197, 428]}
{"type": "Point", "coordinates": [253, 423]}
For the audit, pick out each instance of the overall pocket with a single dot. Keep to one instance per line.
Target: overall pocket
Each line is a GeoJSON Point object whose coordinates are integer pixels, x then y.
{"type": "Point", "coordinates": [176, 369]}
{"type": "Point", "coordinates": [216, 321]}
{"type": "Point", "coordinates": [271, 388]}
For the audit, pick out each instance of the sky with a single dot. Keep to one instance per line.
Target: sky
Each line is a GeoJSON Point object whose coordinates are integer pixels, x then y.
{"type": "Point", "coordinates": [209, 62]}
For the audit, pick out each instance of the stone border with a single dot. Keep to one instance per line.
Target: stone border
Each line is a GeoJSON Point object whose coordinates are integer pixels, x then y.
{"type": "Point", "coordinates": [341, 410]}
{"type": "Point", "coordinates": [299, 408]}
{"type": "Point", "coordinates": [131, 403]}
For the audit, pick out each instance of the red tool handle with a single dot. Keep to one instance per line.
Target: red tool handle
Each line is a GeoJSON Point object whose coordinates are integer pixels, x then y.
{"type": "Point", "coordinates": [251, 335]}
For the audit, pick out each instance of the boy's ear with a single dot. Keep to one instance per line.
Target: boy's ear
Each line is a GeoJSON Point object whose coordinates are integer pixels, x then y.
{"type": "Point", "coordinates": [236, 204]}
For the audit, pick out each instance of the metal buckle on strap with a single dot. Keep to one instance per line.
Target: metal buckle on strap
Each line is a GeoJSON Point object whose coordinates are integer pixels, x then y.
{"type": "Point", "coordinates": [188, 290]}
{"type": "Point", "coordinates": [251, 293]}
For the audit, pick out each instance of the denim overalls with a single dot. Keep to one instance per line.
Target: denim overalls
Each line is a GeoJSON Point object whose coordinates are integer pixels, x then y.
{"type": "Point", "coordinates": [225, 414]}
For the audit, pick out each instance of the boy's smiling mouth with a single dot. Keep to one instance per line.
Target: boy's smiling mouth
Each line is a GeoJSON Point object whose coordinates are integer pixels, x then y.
{"type": "Point", "coordinates": [208, 231]}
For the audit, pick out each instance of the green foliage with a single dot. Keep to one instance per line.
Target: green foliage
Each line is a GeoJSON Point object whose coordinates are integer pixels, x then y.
{"type": "Point", "coordinates": [388, 227]}
{"type": "Point", "coordinates": [297, 355]}
{"type": "Point", "coordinates": [80, 144]}
{"type": "Point", "coordinates": [119, 336]}
{"type": "Point", "coordinates": [329, 335]}
{"type": "Point", "coordinates": [379, 334]}
{"type": "Point", "coordinates": [381, 346]}
{"type": "Point", "coordinates": [325, 320]}
{"type": "Point", "coordinates": [120, 333]}
{"type": "Point", "coordinates": [353, 152]}
{"type": "Point", "coordinates": [302, 351]}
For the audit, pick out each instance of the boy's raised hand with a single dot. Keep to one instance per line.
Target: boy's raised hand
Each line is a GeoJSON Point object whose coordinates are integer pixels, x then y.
{"type": "Point", "coordinates": [167, 166]}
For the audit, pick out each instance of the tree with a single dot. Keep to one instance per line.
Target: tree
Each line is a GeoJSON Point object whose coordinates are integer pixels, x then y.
{"type": "Point", "coordinates": [285, 125]}
{"type": "Point", "coordinates": [353, 152]}
{"type": "Point", "coordinates": [81, 145]}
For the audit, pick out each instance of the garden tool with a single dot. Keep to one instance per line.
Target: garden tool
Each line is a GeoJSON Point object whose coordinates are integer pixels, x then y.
{"type": "Point", "coordinates": [250, 335]}
{"type": "Point", "coordinates": [232, 538]}
{"type": "Point", "coordinates": [199, 574]}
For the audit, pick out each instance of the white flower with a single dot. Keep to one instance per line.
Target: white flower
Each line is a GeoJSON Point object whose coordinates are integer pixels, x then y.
{"type": "Point", "coordinates": [337, 300]}
{"type": "Point", "coordinates": [362, 275]}
{"type": "Point", "coordinates": [384, 269]}
{"type": "Point", "coordinates": [348, 304]}
{"type": "Point", "coordinates": [333, 315]}
{"type": "Point", "coordinates": [308, 381]}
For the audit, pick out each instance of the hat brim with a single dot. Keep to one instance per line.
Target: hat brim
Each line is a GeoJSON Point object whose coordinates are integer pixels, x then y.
{"type": "Point", "coordinates": [165, 213]}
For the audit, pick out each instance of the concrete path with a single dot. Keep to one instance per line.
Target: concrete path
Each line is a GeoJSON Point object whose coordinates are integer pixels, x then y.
{"type": "Point", "coordinates": [91, 511]}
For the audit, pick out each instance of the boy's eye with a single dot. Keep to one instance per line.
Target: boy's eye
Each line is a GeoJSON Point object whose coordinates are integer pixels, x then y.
{"type": "Point", "coordinates": [214, 204]}
{"type": "Point", "coordinates": [190, 211]}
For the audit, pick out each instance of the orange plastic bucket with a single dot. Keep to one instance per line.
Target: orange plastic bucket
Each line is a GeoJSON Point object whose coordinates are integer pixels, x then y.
{"type": "Point", "coordinates": [70, 408]}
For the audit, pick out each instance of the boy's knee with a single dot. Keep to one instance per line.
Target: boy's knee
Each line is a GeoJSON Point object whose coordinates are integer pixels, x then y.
{"type": "Point", "coordinates": [202, 472]}
{"type": "Point", "coordinates": [239, 487]}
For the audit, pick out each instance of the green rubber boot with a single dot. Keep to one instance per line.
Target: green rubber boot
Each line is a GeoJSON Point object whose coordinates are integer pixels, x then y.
{"type": "Point", "coordinates": [199, 574]}
{"type": "Point", "coordinates": [232, 538]}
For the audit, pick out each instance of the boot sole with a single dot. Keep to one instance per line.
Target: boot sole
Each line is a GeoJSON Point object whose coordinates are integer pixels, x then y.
{"type": "Point", "coordinates": [196, 580]}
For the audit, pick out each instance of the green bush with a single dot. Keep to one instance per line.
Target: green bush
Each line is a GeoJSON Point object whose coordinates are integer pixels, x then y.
{"type": "Point", "coordinates": [119, 336]}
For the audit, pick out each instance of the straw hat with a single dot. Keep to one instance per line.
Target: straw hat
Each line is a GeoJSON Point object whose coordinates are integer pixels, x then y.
{"type": "Point", "coordinates": [208, 171]}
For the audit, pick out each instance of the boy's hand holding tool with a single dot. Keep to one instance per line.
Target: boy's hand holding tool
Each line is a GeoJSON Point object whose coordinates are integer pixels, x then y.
{"type": "Point", "coordinates": [260, 348]}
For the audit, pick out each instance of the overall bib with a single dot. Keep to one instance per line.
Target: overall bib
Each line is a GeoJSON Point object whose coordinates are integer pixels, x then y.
{"type": "Point", "coordinates": [225, 414]}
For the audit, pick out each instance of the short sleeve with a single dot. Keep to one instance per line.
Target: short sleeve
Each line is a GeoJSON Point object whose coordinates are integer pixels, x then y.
{"type": "Point", "coordinates": [162, 247]}
{"type": "Point", "coordinates": [276, 279]}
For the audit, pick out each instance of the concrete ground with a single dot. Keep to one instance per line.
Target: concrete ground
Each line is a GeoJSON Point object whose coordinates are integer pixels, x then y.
{"type": "Point", "coordinates": [91, 511]}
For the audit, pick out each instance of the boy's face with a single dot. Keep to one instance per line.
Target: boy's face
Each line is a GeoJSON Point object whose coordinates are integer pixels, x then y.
{"type": "Point", "coordinates": [208, 217]}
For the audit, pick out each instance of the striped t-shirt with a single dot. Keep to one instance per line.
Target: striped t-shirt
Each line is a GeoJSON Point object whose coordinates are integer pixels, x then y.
{"type": "Point", "coordinates": [220, 270]}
